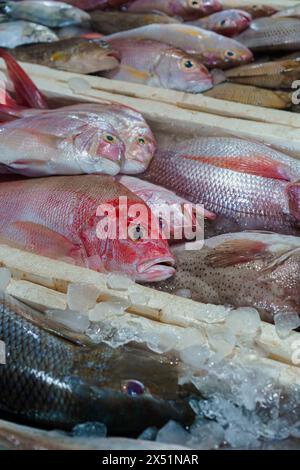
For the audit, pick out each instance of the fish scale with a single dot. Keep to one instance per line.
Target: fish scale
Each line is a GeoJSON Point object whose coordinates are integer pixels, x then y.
{"type": "Point", "coordinates": [54, 383]}
{"type": "Point", "coordinates": [247, 200]}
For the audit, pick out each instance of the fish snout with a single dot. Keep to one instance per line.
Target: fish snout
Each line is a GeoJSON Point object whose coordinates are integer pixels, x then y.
{"type": "Point", "coordinates": [158, 269]}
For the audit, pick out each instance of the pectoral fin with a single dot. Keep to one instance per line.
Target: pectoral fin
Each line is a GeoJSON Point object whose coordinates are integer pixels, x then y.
{"type": "Point", "coordinates": [233, 252]}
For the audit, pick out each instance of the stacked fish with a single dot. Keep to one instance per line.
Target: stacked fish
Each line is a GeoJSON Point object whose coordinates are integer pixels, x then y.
{"type": "Point", "coordinates": [59, 166]}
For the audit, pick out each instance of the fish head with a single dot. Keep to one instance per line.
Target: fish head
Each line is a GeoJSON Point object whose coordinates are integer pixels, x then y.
{"type": "Point", "coordinates": [235, 54]}
{"type": "Point", "coordinates": [260, 11]}
{"type": "Point", "coordinates": [179, 71]}
{"type": "Point", "coordinates": [39, 33]}
{"type": "Point", "coordinates": [101, 149]}
{"type": "Point", "coordinates": [131, 241]}
{"type": "Point", "coordinates": [232, 22]}
{"type": "Point", "coordinates": [83, 58]}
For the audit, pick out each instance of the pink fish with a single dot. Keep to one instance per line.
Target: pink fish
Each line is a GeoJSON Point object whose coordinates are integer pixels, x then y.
{"type": "Point", "coordinates": [62, 217]}
{"type": "Point", "coordinates": [163, 202]}
{"type": "Point", "coordinates": [157, 64]}
{"type": "Point", "coordinates": [212, 49]}
{"type": "Point", "coordinates": [228, 22]}
{"type": "Point", "coordinates": [187, 9]}
{"type": "Point", "coordinates": [248, 185]}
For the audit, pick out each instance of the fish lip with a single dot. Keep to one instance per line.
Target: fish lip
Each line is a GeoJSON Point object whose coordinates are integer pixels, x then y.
{"type": "Point", "coordinates": [108, 62]}
{"type": "Point", "coordinates": [158, 269]}
{"type": "Point", "coordinates": [110, 168]}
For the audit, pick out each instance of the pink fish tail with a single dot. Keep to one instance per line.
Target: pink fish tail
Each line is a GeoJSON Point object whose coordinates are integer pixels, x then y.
{"type": "Point", "coordinates": [27, 93]}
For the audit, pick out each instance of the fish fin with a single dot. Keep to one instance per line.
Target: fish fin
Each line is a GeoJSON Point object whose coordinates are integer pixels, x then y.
{"type": "Point", "coordinates": [44, 241]}
{"type": "Point", "coordinates": [258, 165]}
{"type": "Point", "coordinates": [26, 91]}
{"type": "Point", "coordinates": [293, 192]}
{"type": "Point", "coordinates": [233, 252]}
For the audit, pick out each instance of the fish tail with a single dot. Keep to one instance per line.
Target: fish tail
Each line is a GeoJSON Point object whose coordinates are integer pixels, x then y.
{"type": "Point", "coordinates": [27, 93]}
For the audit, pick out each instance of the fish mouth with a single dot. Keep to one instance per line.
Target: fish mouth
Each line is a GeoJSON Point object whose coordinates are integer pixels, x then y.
{"type": "Point", "coordinates": [155, 270]}
{"type": "Point", "coordinates": [107, 167]}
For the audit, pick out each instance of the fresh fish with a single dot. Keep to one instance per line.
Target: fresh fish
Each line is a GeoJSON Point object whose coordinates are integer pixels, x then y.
{"type": "Point", "coordinates": [162, 203]}
{"type": "Point", "coordinates": [248, 269]}
{"type": "Point", "coordinates": [186, 9]}
{"type": "Point", "coordinates": [247, 184]}
{"type": "Point", "coordinates": [57, 217]}
{"type": "Point", "coordinates": [292, 12]}
{"type": "Point", "coordinates": [16, 33]}
{"type": "Point", "coordinates": [276, 74]}
{"type": "Point", "coordinates": [19, 437]}
{"type": "Point", "coordinates": [228, 22]}
{"type": "Point", "coordinates": [267, 34]}
{"type": "Point", "coordinates": [47, 131]}
{"type": "Point", "coordinates": [252, 95]}
{"type": "Point", "coordinates": [62, 143]}
{"type": "Point", "coordinates": [255, 10]}
{"type": "Point", "coordinates": [54, 383]}
{"type": "Point", "coordinates": [157, 64]}
{"type": "Point", "coordinates": [48, 13]}
{"type": "Point", "coordinates": [212, 49]}
{"type": "Point", "coordinates": [72, 55]}
{"type": "Point", "coordinates": [109, 22]}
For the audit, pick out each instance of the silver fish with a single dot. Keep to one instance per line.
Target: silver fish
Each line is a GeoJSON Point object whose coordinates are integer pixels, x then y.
{"type": "Point", "coordinates": [17, 33]}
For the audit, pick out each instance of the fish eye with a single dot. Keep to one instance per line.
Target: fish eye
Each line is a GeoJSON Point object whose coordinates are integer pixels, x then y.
{"type": "Point", "coordinates": [141, 141]}
{"type": "Point", "coordinates": [109, 138]}
{"type": "Point", "coordinates": [222, 22]}
{"type": "Point", "coordinates": [133, 388]}
{"type": "Point", "coordinates": [188, 64]}
{"type": "Point", "coordinates": [230, 54]}
{"type": "Point", "coordinates": [103, 43]}
{"type": "Point", "coordinates": [136, 232]}
{"type": "Point", "coordinates": [194, 3]}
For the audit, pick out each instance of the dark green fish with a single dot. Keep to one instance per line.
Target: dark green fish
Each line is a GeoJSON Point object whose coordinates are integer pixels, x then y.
{"type": "Point", "coordinates": [53, 383]}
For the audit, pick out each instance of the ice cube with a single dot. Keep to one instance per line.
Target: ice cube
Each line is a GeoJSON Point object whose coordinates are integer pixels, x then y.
{"type": "Point", "coordinates": [90, 429]}
{"type": "Point", "coordinates": [149, 434]}
{"type": "Point", "coordinates": [206, 435]}
{"type": "Point", "coordinates": [221, 340]}
{"type": "Point", "coordinates": [5, 277]}
{"type": "Point", "coordinates": [195, 356]}
{"type": "Point", "coordinates": [105, 308]}
{"type": "Point", "coordinates": [172, 433]}
{"type": "Point", "coordinates": [285, 323]}
{"type": "Point", "coordinates": [82, 297]}
{"type": "Point", "coordinates": [244, 321]}
{"type": "Point", "coordinates": [137, 298]}
{"type": "Point", "coordinates": [118, 282]}
{"type": "Point", "coordinates": [71, 319]}
{"type": "Point", "coordinates": [79, 85]}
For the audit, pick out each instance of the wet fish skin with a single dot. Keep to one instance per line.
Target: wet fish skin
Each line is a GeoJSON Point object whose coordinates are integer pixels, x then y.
{"type": "Point", "coordinates": [46, 12]}
{"type": "Point", "coordinates": [212, 49]}
{"type": "Point", "coordinates": [72, 231]}
{"type": "Point", "coordinates": [242, 270]}
{"type": "Point", "coordinates": [130, 127]}
{"type": "Point", "coordinates": [87, 5]}
{"type": "Point", "coordinates": [109, 22]}
{"type": "Point", "coordinates": [16, 33]}
{"type": "Point", "coordinates": [157, 64]}
{"type": "Point", "coordinates": [243, 192]}
{"type": "Point", "coordinates": [227, 23]}
{"type": "Point", "coordinates": [186, 9]}
{"type": "Point", "coordinates": [292, 12]}
{"type": "Point", "coordinates": [64, 143]}
{"type": "Point", "coordinates": [252, 95]}
{"type": "Point", "coordinates": [255, 10]}
{"type": "Point", "coordinates": [274, 75]}
{"type": "Point", "coordinates": [158, 198]}
{"type": "Point", "coordinates": [56, 384]}
{"type": "Point", "coordinates": [267, 34]}
{"type": "Point", "coordinates": [72, 55]}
